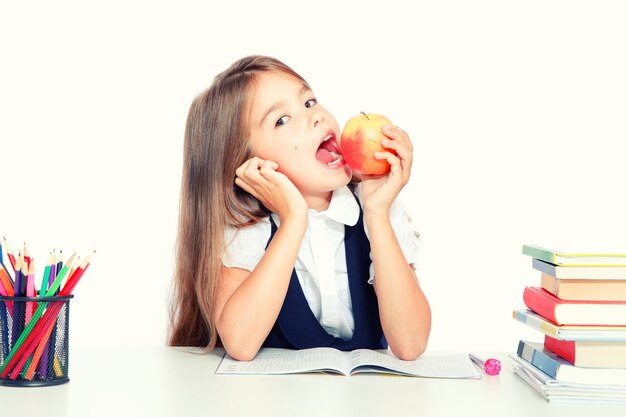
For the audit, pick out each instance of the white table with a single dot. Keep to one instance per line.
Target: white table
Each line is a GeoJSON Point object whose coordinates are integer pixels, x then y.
{"type": "Point", "coordinates": [169, 382]}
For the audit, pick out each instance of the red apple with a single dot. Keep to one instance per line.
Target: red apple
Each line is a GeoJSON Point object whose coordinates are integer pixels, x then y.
{"type": "Point", "coordinates": [361, 137]}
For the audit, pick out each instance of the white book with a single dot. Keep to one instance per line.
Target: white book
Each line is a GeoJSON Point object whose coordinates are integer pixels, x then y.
{"type": "Point", "coordinates": [567, 392]}
{"type": "Point", "coordinates": [274, 361]}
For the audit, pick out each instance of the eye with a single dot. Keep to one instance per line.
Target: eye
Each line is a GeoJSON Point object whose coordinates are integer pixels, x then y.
{"type": "Point", "coordinates": [310, 103]}
{"type": "Point", "coordinates": [282, 120]}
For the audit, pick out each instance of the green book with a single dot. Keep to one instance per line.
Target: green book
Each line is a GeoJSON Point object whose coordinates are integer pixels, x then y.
{"type": "Point", "coordinates": [574, 258]}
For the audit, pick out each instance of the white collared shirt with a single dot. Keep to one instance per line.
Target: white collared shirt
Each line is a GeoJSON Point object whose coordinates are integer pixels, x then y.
{"type": "Point", "coordinates": [321, 262]}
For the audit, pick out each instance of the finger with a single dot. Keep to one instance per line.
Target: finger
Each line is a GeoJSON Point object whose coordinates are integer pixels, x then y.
{"type": "Point", "coordinates": [389, 157]}
{"type": "Point", "coordinates": [267, 167]}
{"type": "Point", "coordinates": [403, 153]}
{"type": "Point", "coordinates": [239, 171]}
{"type": "Point", "coordinates": [244, 186]}
{"type": "Point", "coordinates": [255, 163]}
{"type": "Point", "coordinates": [393, 160]}
{"type": "Point", "coordinates": [405, 157]}
{"type": "Point", "coordinates": [252, 162]}
{"type": "Point", "coordinates": [401, 148]}
{"type": "Point", "coordinates": [406, 138]}
{"type": "Point", "coordinates": [256, 190]}
{"type": "Point", "coordinates": [252, 170]}
{"type": "Point", "coordinates": [396, 133]}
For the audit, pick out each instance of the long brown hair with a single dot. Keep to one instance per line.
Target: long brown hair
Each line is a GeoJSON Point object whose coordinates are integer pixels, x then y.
{"type": "Point", "coordinates": [216, 144]}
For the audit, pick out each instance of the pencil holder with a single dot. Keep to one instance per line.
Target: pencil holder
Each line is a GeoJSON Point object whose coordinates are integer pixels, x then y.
{"type": "Point", "coordinates": [34, 335]}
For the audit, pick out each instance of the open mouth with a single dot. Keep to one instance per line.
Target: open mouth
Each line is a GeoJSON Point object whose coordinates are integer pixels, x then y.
{"type": "Point", "coordinates": [328, 152]}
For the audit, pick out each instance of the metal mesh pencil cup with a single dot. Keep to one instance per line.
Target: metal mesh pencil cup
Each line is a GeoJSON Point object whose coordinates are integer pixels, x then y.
{"type": "Point", "coordinates": [34, 336]}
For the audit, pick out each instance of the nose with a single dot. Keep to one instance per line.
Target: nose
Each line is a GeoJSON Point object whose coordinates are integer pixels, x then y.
{"type": "Point", "coordinates": [316, 117]}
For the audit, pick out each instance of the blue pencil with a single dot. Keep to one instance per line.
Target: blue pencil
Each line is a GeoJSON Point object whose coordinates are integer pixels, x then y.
{"type": "Point", "coordinates": [2, 262]}
{"type": "Point", "coordinates": [18, 277]}
{"type": "Point", "coordinates": [4, 323]}
{"type": "Point", "coordinates": [59, 265]}
{"type": "Point", "coordinates": [60, 262]}
{"type": "Point", "coordinates": [4, 317]}
{"type": "Point", "coordinates": [19, 308]}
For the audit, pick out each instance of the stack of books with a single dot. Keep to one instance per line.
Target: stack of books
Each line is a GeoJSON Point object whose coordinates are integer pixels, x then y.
{"type": "Point", "coordinates": [580, 307]}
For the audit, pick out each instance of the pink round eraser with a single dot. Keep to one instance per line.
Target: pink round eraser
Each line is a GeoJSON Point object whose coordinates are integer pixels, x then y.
{"type": "Point", "coordinates": [492, 366]}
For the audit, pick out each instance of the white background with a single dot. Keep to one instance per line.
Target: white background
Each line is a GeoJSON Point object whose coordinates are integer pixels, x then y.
{"type": "Point", "coordinates": [516, 111]}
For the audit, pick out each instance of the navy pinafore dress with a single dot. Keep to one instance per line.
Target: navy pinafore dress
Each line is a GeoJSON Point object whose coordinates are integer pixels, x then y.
{"type": "Point", "coordinates": [297, 327]}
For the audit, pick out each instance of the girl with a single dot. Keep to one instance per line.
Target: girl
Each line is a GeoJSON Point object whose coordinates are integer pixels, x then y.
{"type": "Point", "coordinates": [277, 246]}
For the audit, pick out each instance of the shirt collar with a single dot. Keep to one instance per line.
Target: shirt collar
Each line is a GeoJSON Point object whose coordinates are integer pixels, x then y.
{"type": "Point", "coordinates": [343, 207]}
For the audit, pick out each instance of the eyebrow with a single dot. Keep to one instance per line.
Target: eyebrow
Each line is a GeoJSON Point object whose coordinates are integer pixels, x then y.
{"type": "Point", "coordinates": [282, 103]}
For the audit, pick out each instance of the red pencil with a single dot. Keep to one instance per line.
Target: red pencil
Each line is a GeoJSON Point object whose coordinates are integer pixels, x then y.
{"type": "Point", "coordinates": [26, 255]}
{"type": "Point", "coordinates": [9, 254]}
{"type": "Point", "coordinates": [76, 275]}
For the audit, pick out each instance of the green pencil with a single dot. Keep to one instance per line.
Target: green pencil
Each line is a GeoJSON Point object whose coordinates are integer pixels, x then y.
{"type": "Point", "coordinates": [46, 276]}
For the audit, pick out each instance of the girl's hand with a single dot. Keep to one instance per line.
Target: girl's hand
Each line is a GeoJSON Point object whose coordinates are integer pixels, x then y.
{"type": "Point", "coordinates": [380, 191]}
{"type": "Point", "coordinates": [261, 179]}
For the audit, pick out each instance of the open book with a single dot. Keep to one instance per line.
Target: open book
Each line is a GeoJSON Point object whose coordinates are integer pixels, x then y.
{"type": "Point", "coordinates": [282, 361]}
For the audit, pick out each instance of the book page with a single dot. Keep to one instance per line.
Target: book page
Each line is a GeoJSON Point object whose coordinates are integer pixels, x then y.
{"type": "Point", "coordinates": [450, 366]}
{"type": "Point", "coordinates": [282, 361]}
{"type": "Point", "coordinates": [288, 362]}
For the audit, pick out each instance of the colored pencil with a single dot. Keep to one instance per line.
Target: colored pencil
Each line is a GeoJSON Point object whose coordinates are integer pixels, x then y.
{"type": "Point", "coordinates": [53, 270]}
{"type": "Point", "coordinates": [46, 275]}
{"type": "Point", "coordinates": [6, 308]}
{"type": "Point", "coordinates": [8, 286]}
{"type": "Point", "coordinates": [4, 268]}
{"type": "Point", "coordinates": [30, 289]}
{"type": "Point", "coordinates": [59, 278]}
{"type": "Point", "coordinates": [24, 282]}
{"type": "Point", "coordinates": [26, 255]}
{"type": "Point", "coordinates": [48, 353]}
{"type": "Point", "coordinates": [4, 318]}
{"type": "Point", "coordinates": [5, 279]}
{"type": "Point", "coordinates": [60, 261]}
{"type": "Point", "coordinates": [9, 254]}
{"type": "Point", "coordinates": [18, 277]}
{"type": "Point", "coordinates": [75, 277]}
{"type": "Point", "coordinates": [19, 309]}
{"type": "Point", "coordinates": [58, 367]}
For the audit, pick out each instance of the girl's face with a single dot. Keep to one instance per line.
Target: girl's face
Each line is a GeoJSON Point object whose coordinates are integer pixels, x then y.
{"type": "Point", "coordinates": [289, 127]}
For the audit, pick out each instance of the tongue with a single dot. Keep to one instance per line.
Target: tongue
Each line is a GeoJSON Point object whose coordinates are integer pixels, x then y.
{"type": "Point", "coordinates": [324, 156]}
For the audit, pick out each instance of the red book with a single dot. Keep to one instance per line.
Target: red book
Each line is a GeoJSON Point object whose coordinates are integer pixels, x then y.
{"type": "Point", "coordinates": [575, 313]}
{"type": "Point", "coordinates": [587, 354]}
